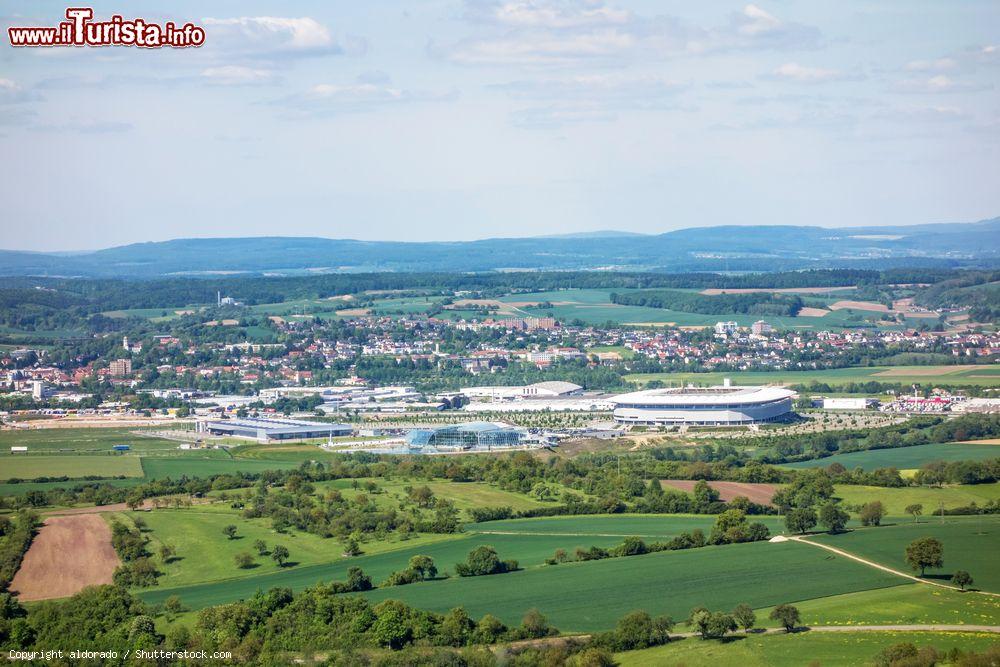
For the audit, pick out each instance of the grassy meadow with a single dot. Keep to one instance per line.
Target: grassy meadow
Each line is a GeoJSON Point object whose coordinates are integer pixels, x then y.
{"type": "Point", "coordinates": [781, 650]}
{"type": "Point", "coordinates": [904, 458]}
{"type": "Point", "coordinates": [31, 467]}
{"type": "Point", "coordinates": [981, 376]}
{"type": "Point", "coordinates": [970, 543]}
{"type": "Point", "coordinates": [932, 498]}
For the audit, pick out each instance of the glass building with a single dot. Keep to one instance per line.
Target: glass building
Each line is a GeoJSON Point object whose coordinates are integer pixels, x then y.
{"type": "Point", "coordinates": [473, 435]}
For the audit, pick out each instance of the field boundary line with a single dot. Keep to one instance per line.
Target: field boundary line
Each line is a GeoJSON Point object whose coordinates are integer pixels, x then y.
{"type": "Point", "coordinates": [884, 568]}
{"type": "Point", "coordinates": [533, 534]}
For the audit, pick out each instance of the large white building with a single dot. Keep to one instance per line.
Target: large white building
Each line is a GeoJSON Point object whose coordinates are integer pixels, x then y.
{"type": "Point", "coordinates": [548, 389]}
{"type": "Point", "coordinates": [718, 406]}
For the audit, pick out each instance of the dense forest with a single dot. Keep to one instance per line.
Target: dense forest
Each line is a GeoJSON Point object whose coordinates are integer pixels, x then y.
{"type": "Point", "coordinates": [758, 303]}
{"type": "Point", "coordinates": [104, 295]}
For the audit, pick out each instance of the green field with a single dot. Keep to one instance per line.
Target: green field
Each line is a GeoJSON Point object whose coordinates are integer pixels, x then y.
{"type": "Point", "coordinates": [932, 498]}
{"type": "Point", "coordinates": [205, 554]}
{"type": "Point", "coordinates": [31, 467]}
{"type": "Point", "coordinates": [651, 527]}
{"type": "Point", "coordinates": [529, 541]}
{"type": "Point", "coordinates": [904, 458]}
{"type": "Point", "coordinates": [193, 466]}
{"type": "Point", "coordinates": [592, 595]}
{"type": "Point", "coordinates": [80, 440]}
{"type": "Point", "coordinates": [7, 489]}
{"type": "Point", "coordinates": [908, 604]}
{"type": "Point", "coordinates": [781, 650]}
{"type": "Point", "coordinates": [970, 543]}
{"type": "Point", "coordinates": [982, 376]}
{"type": "Point", "coordinates": [594, 306]}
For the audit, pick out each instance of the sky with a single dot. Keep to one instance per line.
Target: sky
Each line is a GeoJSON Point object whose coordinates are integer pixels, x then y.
{"type": "Point", "coordinates": [456, 120]}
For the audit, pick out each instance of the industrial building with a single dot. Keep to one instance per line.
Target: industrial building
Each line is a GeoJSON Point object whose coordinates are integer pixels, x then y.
{"type": "Point", "coordinates": [483, 436]}
{"type": "Point", "coordinates": [267, 430]}
{"type": "Point", "coordinates": [716, 406]}
{"type": "Point", "coordinates": [549, 389]}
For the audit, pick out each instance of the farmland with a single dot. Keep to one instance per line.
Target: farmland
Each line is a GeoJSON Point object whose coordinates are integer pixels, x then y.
{"type": "Point", "coordinates": [79, 440]}
{"type": "Point", "coordinates": [904, 458]}
{"type": "Point", "coordinates": [576, 596]}
{"type": "Point", "coordinates": [970, 543]}
{"type": "Point", "coordinates": [931, 497]}
{"type": "Point", "coordinates": [205, 554]}
{"type": "Point", "coordinates": [981, 376]}
{"type": "Point", "coordinates": [648, 526]}
{"type": "Point", "coordinates": [667, 582]}
{"type": "Point", "coordinates": [30, 467]}
{"type": "Point", "coordinates": [69, 553]}
{"type": "Point", "coordinates": [898, 605]}
{"type": "Point", "coordinates": [780, 650]}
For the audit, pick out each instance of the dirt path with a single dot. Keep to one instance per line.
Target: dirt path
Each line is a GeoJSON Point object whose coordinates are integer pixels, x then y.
{"type": "Point", "coordinates": [68, 554]}
{"type": "Point", "coordinates": [878, 566]}
{"type": "Point", "coordinates": [936, 627]}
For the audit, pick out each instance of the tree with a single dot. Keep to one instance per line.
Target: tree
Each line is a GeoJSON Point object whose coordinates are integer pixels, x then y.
{"type": "Point", "coordinates": [243, 560]}
{"type": "Point", "coordinates": [391, 627]}
{"type": "Point", "coordinates": [704, 495]}
{"type": "Point", "coordinates": [745, 616]}
{"type": "Point", "coordinates": [871, 513]}
{"type": "Point", "coordinates": [535, 625]}
{"type": "Point", "coordinates": [172, 605]}
{"type": "Point", "coordinates": [484, 560]}
{"type": "Point", "coordinates": [230, 531]}
{"type": "Point", "coordinates": [279, 554]}
{"type": "Point", "coordinates": [260, 546]}
{"type": "Point", "coordinates": [730, 526]}
{"type": "Point", "coordinates": [167, 552]}
{"type": "Point", "coordinates": [456, 627]}
{"type": "Point", "coordinates": [833, 517]}
{"type": "Point", "coordinates": [800, 520]}
{"type": "Point", "coordinates": [423, 566]}
{"type": "Point", "coordinates": [720, 624]}
{"type": "Point", "coordinates": [962, 579]}
{"type": "Point", "coordinates": [787, 615]}
{"type": "Point", "coordinates": [351, 547]}
{"type": "Point", "coordinates": [634, 631]}
{"type": "Point", "coordinates": [915, 509]}
{"type": "Point", "coordinates": [925, 552]}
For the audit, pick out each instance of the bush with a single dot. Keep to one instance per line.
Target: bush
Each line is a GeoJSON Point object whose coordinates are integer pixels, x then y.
{"type": "Point", "coordinates": [483, 560]}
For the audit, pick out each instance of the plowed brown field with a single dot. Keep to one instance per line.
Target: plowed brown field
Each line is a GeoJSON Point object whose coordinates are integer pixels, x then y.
{"type": "Point", "coordinates": [68, 554]}
{"type": "Point", "coordinates": [757, 493]}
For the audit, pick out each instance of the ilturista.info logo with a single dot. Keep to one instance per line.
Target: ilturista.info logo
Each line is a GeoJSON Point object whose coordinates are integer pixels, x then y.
{"type": "Point", "coordinates": [80, 29]}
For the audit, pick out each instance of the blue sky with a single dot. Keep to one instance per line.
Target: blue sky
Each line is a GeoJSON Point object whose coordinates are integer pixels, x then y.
{"type": "Point", "coordinates": [448, 120]}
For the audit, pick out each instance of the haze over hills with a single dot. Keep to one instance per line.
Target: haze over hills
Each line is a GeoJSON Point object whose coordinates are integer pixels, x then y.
{"type": "Point", "coordinates": [727, 248]}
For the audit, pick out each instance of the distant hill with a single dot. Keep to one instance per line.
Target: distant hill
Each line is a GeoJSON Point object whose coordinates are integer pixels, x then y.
{"type": "Point", "coordinates": [727, 248]}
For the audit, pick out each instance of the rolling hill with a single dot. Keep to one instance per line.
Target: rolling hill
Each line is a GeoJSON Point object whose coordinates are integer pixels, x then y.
{"type": "Point", "coordinates": [726, 248]}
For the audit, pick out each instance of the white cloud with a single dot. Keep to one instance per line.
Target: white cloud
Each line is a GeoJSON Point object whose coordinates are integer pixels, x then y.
{"type": "Point", "coordinates": [237, 75]}
{"type": "Point", "coordinates": [802, 74]}
{"type": "Point", "coordinates": [330, 98]}
{"type": "Point", "coordinates": [937, 84]}
{"type": "Point", "coordinates": [570, 32]}
{"type": "Point", "coordinates": [939, 65]}
{"type": "Point", "coordinates": [755, 21]}
{"type": "Point", "coordinates": [542, 14]}
{"type": "Point", "coordinates": [86, 127]}
{"type": "Point", "coordinates": [606, 87]}
{"type": "Point", "coordinates": [557, 116]}
{"type": "Point", "coordinates": [275, 35]}
{"type": "Point", "coordinates": [756, 28]}
{"type": "Point", "coordinates": [545, 49]}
